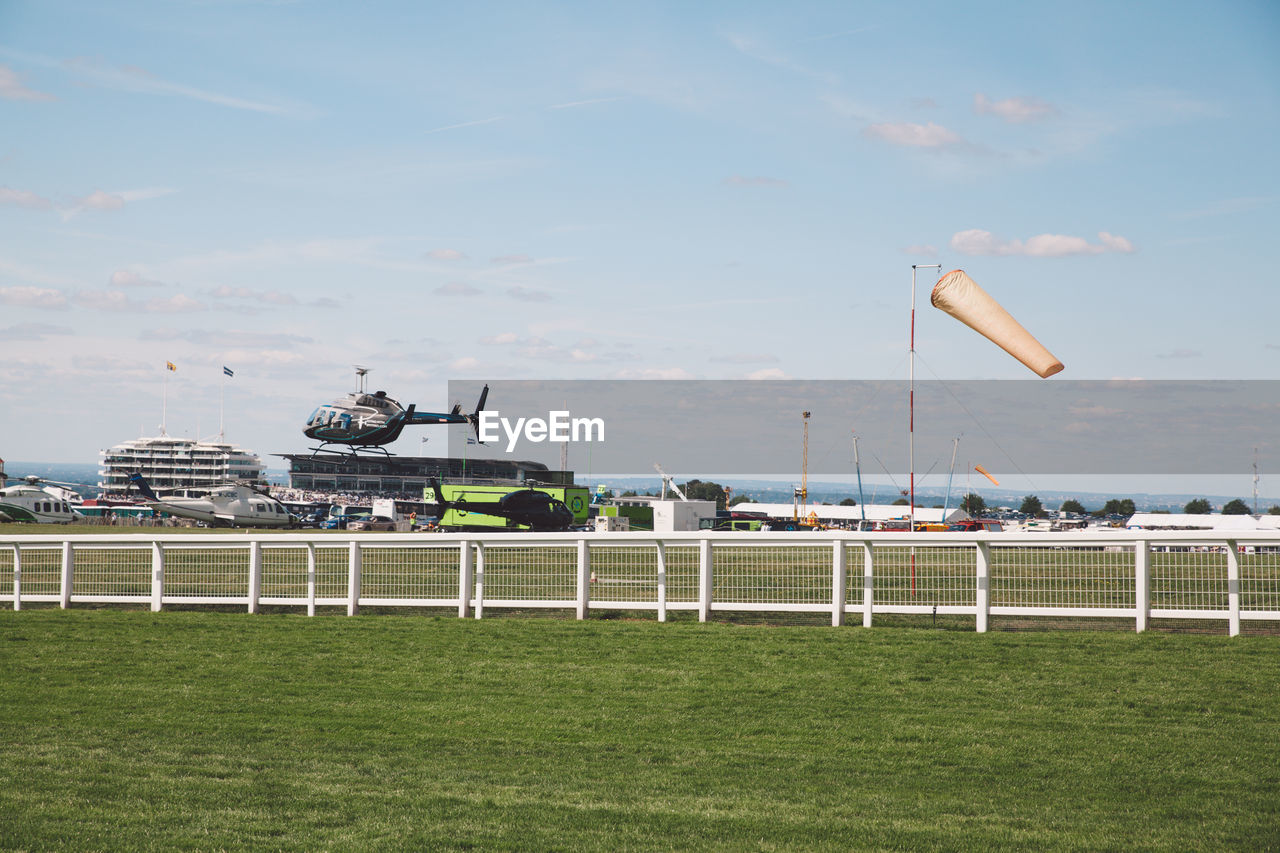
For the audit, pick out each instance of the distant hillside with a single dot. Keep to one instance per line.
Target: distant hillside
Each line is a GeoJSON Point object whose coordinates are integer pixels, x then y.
{"type": "Point", "coordinates": [769, 491]}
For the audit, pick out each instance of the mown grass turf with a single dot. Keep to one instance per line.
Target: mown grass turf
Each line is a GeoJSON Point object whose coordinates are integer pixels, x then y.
{"type": "Point", "coordinates": [134, 730]}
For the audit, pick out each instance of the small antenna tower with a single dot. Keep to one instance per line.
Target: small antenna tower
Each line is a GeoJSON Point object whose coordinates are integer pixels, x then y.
{"type": "Point", "coordinates": [1255, 481]}
{"type": "Point", "coordinates": [800, 498]}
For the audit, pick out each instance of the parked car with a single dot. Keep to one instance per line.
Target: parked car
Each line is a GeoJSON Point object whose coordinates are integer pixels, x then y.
{"type": "Point", "coordinates": [372, 522]}
{"type": "Point", "coordinates": [343, 522]}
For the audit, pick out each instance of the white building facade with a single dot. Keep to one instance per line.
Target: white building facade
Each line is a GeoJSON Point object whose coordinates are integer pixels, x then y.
{"type": "Point", "coordinates": [176, 463]}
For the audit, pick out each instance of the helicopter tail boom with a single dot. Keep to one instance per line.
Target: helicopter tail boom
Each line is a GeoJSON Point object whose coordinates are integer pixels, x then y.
{"type": "Point", "coordinates": [143, 486]}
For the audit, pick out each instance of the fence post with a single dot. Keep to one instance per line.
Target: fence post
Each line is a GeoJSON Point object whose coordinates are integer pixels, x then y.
{"type": "Point", "coordinates": [1142, 584]}
{"type": "Point", "coordinates": [839, 583]}
{"type": "Point", "coordinates": [465, 579]}
{"type": "Point", "coordinates": [868, 576]}
{"type": "Point", "coordinates": [1233, 588]}
{"type": "Point", "coordinates": [255, 574]}
{"type": "Point", "coordinates": [17, 576]}
{"type": "Point", "coordinates": [584, 578]}
{"type": "Point", "coordinates": [479, 580]}
{"type": "Point", "coordinates": [68, 567]}
{"type": "Point", "coordinates": [157, 576]}
{"type": "Point", "coordinates": [662, 582]}
{"type": "Point", "coordinates": [311, 579]}
{"type": "Point", "coordinates": [984, 587]}
{"type": "Point", "coordinates": [704, 580]}
{"type": "Point", "coordinates": [354, 560]}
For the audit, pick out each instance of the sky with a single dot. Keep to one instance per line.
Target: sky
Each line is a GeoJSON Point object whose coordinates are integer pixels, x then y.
{"type": "Point", "coordinates": [487, 191]}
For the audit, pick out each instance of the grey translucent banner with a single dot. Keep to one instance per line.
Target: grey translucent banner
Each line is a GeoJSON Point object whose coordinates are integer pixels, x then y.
{"type": "Point", "coordinates": [757, 427]}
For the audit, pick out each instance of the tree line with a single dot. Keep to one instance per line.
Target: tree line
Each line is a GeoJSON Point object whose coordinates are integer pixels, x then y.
{"type": "Point", "coordinates": [976, 505]}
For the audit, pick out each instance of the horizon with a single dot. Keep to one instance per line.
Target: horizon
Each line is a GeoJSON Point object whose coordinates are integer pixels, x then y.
{"type": "Point", "coordinates": [830, 486]}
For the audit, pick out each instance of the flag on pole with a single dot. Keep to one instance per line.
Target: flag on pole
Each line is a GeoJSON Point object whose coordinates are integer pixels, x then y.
{"type": "Point", "coordinates": [170, 365]}
{"type": "Point", "coordinates": [228, 371]}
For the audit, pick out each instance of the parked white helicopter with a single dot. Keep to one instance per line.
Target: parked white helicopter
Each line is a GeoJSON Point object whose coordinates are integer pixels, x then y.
{"type": "Point", "coordinates": [31, 502]}
{"type": "Point", "coordinates": [227, 505]}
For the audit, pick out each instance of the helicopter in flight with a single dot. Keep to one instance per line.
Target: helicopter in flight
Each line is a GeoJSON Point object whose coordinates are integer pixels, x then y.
{"type": "Point", "coordinates": [227, 505]}
{"type": "Point", "coordinates": [361, 420]}
{"type": "Point", "coordinates": [530, 507]}
{"type": "Point", "coordinates": [37, 500]}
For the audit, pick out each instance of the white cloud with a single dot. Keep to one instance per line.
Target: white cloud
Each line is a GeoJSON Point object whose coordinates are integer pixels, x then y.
{"type": "Point", "coordinates": [978, 242]}
{"type": "Point", "coordinates": [1114, 243]}
{"type": "Point", "coordinates": [1014, 110]}
{"type": "Point", "coordinates": [32, 332]}
{"type": "Point", "coordinates": [746, 358]}
{"type": "Point", "coordinates": [99, 200]}
{"type": "Point", "coordinates": [457, 288]}
{"type": "Point", "coordinates": [102, 200]}
{"type": "Point", "coordinates": [128, 278]}
{"type": "Point", "coordinates": [176, 304]}
{"type": "Point", "coordinates": [654, 373]}
{"type": "Point", "coordinates": [768, 373]}
{"type": "Point", "coordinates": [33, 297]}
{"type": "Point", "coordinates": [445, 255]}
{"type": "Point", "coordinates": [504, 338]}
{"type": "Point", "coordinates": [24, 198]}
{"type": "Point", "coordinates": [107, 300]}
{"type": "Point", "coordinates": [512, 259]}
{"type": "Point", "coordinates": [269, 297]}
{"type": "Point", "coordinates": [226, 337]}
{"type": "Point", "coordinates": [266, 358]}
{"type": "Point", "coordinates": [12, 88]}
{"type": "Point", "coordinates": [914, 135]}
{"type": "Point", "coordinates": [119, 302]}
{"type": "Point", "coordinates": [528, 294]}
{"type": "Point", "coordinates": [462, 124]}
{"type": "Point", "coordinates": [138, 80]}
{"type": "Point", "coordinates": [765, 53]}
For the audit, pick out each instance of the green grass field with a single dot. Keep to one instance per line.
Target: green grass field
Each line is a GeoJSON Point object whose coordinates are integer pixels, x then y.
{"type": "Point", "coordinates": [125, 729]}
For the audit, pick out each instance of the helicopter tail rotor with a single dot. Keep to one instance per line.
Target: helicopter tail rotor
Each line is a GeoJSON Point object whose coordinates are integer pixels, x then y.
{"type": "Point", "coordinates": [474, 417]}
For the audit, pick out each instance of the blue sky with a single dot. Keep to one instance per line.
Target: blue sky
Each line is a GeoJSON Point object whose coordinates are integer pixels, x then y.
{"type": "Point", "coordinates": [560, 191]}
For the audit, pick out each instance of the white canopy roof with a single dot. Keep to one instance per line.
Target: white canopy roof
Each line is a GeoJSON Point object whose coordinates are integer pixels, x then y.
{"type": "Point", "coordinates": [1207, 521]}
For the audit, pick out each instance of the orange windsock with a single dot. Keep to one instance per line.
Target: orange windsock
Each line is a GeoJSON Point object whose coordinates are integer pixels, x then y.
{"type": "Point", "coordinates": [960, 296]}
{"type": "Point", "coordinates": [983, 472]}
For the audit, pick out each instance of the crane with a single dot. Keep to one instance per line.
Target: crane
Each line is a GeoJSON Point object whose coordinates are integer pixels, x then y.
{"type": "Point", "coordinates": [668, 480]}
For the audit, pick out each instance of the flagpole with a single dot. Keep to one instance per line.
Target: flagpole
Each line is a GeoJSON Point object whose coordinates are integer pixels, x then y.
{"type": "Point", "coordinates": [222, 398]}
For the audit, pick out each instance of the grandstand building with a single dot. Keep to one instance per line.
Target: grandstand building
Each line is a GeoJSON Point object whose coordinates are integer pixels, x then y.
{"type": "Point", "coordinates": [390, 474]}
{"type": "Point", "coordinates": [171, 463]}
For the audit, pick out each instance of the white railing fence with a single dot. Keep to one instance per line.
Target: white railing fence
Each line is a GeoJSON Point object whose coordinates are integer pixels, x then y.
{"type": "Point", "coordinates": [1138, 575]}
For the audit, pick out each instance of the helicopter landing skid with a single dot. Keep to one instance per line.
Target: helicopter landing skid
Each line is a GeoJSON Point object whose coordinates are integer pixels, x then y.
{"type": "Point", "coordinates": [348, 452]}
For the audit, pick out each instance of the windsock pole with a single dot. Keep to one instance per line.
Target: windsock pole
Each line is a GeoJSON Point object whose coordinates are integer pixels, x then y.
{"type": "Point", "coordinates": [911, 410]}
{"type": "Point", "coordinates": [911, 393]}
